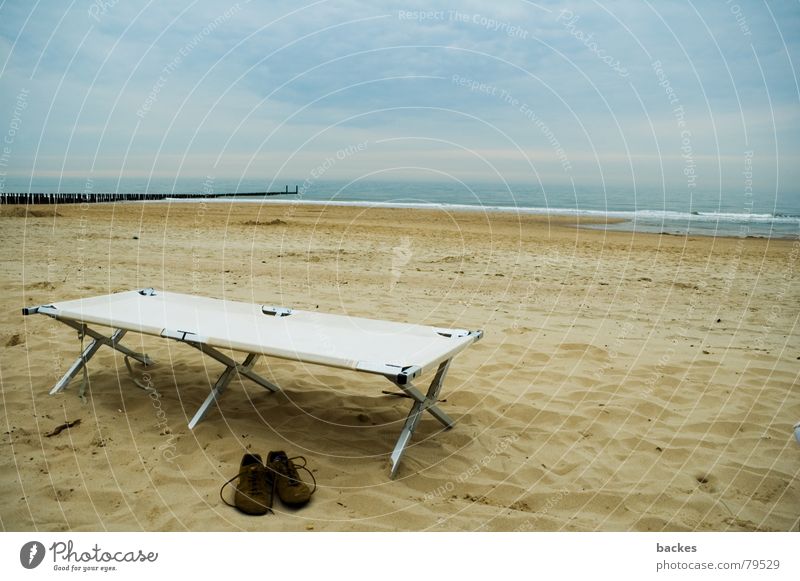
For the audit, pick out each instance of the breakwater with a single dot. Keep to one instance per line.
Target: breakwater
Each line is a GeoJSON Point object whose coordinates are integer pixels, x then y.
{"type": "Point", "coordinates": [97, 197]}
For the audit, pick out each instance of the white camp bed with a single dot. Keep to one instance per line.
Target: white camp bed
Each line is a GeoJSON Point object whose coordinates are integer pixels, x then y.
{"type": "Point", "coordinates": [398, 351]}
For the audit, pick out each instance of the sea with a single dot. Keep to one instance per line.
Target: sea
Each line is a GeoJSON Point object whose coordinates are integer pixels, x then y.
{"type": "Point", "coordinates": [720, 213]}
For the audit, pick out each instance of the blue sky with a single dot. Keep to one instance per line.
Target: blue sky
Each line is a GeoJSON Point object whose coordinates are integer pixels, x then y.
{"type": "Point", "coordinates": [617, 94]}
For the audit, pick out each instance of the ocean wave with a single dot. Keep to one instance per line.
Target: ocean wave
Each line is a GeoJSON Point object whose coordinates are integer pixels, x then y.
{"type": "Point", "coordinates": [632, 215]}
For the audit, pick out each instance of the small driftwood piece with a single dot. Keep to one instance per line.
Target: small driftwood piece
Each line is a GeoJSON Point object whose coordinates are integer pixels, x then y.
{"type": "Point", "coordinates": [65, 426]}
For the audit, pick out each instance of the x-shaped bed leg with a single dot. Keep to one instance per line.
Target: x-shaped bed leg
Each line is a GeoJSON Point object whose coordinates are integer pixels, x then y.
{"type": "Point", "coordinates": [232, 368]}
{"type": "Point", "coordinates": [98, 340]}
{"type": "Point", "coordinates": [422, 403]}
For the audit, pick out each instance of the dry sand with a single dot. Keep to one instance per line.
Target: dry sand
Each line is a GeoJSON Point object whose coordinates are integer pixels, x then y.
{"type": "Point", "coordinates": [625, 382]}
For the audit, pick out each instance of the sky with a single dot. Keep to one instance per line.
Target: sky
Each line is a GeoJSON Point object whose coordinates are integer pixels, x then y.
{"type": "Point", "coordinates": [690, 96]}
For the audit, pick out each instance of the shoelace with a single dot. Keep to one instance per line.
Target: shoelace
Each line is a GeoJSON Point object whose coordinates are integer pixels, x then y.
{"type": "Point", "coordinates": [289, 469]}
{"type": "Point", "coordinates": [251, 480]}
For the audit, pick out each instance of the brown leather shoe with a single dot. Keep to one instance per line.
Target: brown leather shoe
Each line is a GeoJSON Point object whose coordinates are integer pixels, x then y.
{"type": "Point", "coordinates": [291, 490]}
{"type": "Point", "coordinates": [254, 491]}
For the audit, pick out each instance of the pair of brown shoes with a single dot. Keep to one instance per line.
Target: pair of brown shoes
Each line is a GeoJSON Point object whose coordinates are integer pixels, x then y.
{"type": "Point", "coordinates": [259, 482]}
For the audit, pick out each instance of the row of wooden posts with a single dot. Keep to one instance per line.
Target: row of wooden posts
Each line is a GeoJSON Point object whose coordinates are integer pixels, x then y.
{"type": "Point", "coordinates": [92, 197]}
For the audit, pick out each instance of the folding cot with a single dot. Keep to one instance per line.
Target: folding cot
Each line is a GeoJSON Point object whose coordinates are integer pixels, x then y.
{"type": "Point", "coordinates": [398, 351]}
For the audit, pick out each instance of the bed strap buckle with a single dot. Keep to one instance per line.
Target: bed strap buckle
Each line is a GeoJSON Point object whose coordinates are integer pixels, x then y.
{"type": "Point", "coordinates": [276, 311]}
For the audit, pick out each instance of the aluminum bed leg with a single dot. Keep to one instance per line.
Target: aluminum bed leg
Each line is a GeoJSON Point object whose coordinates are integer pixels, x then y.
{"type": "Point", "coordinates": [112, 341]}
{"type": "Point", "coordinates": [243, 369]}
{"type": "Point", "coordinates": [422, 403]}
{"type": "Point", "coordinates": [232, 368]}
{"type": "Point", "coordinates": [98, 340]}
{"type": "Point", "coordinates": [81, 361]}
{"type": "Point", "coordinates": [219, 387]}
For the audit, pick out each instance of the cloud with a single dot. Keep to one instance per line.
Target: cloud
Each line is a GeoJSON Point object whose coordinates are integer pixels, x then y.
{"type": "Point", "coordinates": [178, 88]}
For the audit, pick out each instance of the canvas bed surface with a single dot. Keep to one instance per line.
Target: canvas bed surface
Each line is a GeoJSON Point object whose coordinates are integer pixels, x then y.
{"type": "Point", "coordinates": [335, 340]}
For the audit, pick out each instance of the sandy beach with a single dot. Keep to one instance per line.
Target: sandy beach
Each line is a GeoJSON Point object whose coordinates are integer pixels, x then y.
{"type": "Point", "coordinates": [625, 381]}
